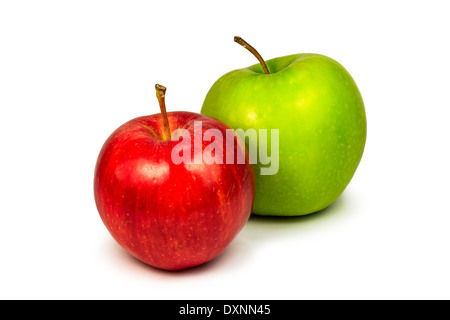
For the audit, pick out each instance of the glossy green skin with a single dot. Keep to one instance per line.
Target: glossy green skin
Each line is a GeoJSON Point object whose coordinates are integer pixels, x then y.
{"type": "Point", "coordinates": [319, 111]}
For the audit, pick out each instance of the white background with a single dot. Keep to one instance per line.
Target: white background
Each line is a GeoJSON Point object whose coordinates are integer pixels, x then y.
{"type": "Point", "coordinates": [73, 71]}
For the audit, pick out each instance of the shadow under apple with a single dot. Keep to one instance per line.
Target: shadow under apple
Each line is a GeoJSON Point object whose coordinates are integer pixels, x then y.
{"type": "Point", "coordinates": [265, 228]}
{"type": "Point", "coordinates": [258, 229]}
{"type": "Point", "coordinates": [236, 251]}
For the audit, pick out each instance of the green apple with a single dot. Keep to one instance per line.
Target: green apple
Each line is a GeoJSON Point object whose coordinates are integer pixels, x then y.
{"type": "Point", "coordinates": [319, 113]}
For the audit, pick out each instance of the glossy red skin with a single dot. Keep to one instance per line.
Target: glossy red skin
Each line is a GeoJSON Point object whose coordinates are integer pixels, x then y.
{"type": "Point", "coordinates": [170, 216]}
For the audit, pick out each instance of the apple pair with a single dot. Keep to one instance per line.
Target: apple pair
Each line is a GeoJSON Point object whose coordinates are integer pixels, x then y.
{"type": "Point", "coordinates": [175, 215]}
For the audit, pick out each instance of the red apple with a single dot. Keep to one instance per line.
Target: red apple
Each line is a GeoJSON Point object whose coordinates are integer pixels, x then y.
{"type": "Point", "coordinates": [168, 214]}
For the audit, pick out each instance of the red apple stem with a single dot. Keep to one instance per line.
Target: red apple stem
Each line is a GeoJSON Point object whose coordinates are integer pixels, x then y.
{"type": "Point", "coordinates": [247, 46]}
{"type": "Point", "coordinates": [160, 94]}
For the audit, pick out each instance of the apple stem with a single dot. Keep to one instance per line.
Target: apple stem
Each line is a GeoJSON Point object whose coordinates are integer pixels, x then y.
{"type": "Point", "coordinates": [160, 94]}
{"type": "Point", "coordinates": [245, 44]}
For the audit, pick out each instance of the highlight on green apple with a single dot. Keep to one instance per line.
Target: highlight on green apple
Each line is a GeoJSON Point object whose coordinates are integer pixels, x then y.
{"type": "Point", "coordinates": [319, 111]}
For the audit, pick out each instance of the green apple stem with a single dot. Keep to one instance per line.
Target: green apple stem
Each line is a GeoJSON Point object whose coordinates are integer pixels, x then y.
{"type": "Point", "coordinates": [160, 94]}
{"type": "Point", "coordinates": [245, 44]}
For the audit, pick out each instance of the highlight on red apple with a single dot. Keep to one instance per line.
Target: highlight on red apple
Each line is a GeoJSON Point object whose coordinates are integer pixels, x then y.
{"type": "Point", "coordinates": [174, 209]}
